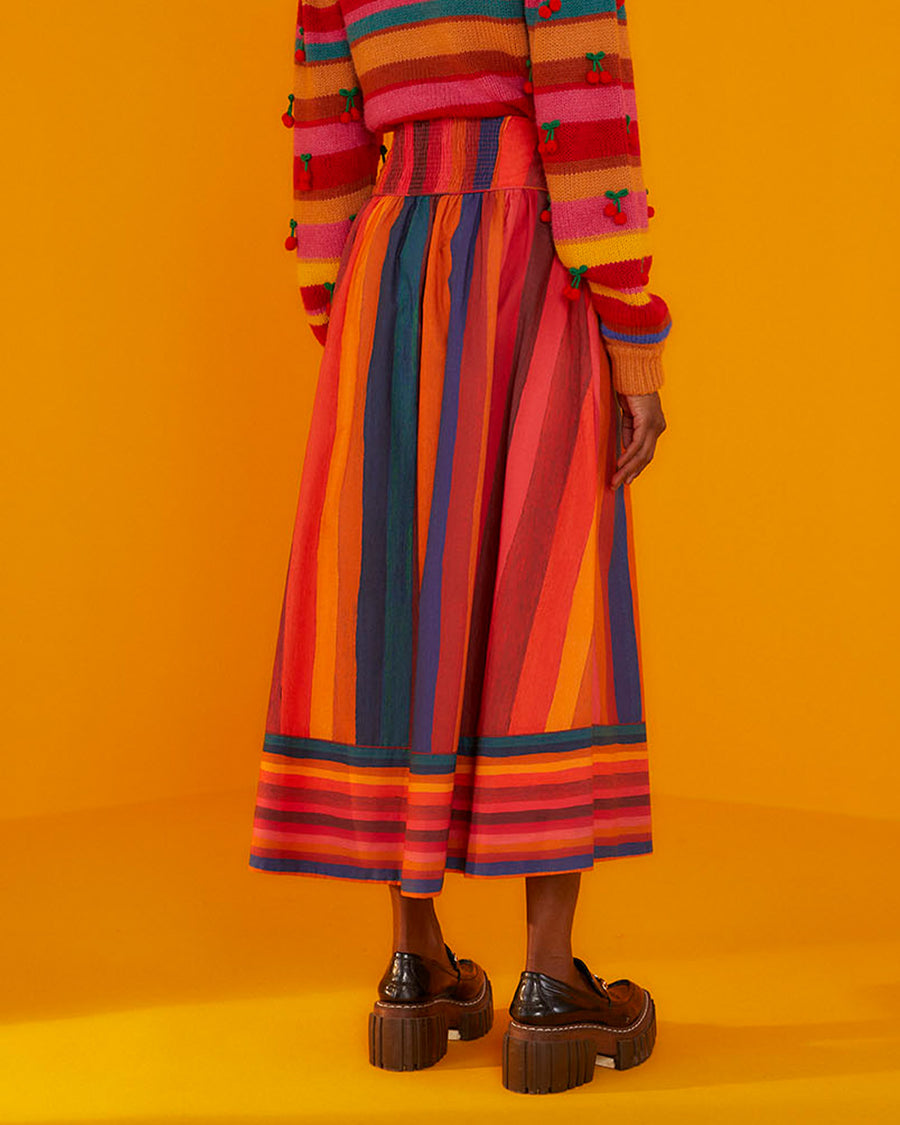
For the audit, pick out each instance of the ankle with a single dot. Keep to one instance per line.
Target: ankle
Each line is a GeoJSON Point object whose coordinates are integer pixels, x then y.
{"type": "Point", "coordinates": [433, 951]}
{"type": "Point", "coordinates": [560, 966]}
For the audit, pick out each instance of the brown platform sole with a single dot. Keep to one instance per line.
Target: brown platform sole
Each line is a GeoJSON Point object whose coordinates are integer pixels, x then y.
{"type": "Point", "coordinates": [414, 1036]}
{"type": "Point", "coordinates": [539, 1060]}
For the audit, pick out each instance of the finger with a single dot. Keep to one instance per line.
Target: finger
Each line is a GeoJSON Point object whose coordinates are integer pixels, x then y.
{"type": "Point", "coordinates": [643, 457]}
{"type": "Point", "coordinates": [637, 433]}
{"type": "Point", "coordinates": [634, 450]}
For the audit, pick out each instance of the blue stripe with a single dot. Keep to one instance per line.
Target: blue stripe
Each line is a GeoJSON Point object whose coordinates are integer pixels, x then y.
{"type": "Point", "coordinates": [316, 867]}
{"type": "Point", "coordinates": [583, 862]}
{"type": "Point", "coordinates": [636, 337]}
{"type": "Point", "coordinates": [421, 886]}
{"type": "Point", "coordinates": [402, 441]}
{"type": "Point", "coordinates": [623, 639]}
{"type": "Point", "coordinates": [488, 145]}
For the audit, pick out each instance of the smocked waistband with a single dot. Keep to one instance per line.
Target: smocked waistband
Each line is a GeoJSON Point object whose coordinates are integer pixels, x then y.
{"type": "Point", "coordinates": [457, 154]}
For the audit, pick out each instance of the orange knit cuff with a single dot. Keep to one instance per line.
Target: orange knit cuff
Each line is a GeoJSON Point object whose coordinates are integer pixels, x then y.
{"type": "Point", "coordinates": [636, 368]}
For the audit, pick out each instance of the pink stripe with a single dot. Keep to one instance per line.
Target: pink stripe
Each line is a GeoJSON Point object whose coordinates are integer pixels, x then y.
{"type": "Point", "coordinates": [583, 219]}
{"type": "Point", "coordinates": [330, 137]}
{"type": "Point", "coordinates": [394, 103]}
{"type": "Point", "coordinates": [530, 416]}
{"type": "Point", "coordinates": [585, 103]}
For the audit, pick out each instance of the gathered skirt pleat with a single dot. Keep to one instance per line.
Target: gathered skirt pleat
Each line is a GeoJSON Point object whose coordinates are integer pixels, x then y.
{"type": "Point", "coordinates": [457, 677]}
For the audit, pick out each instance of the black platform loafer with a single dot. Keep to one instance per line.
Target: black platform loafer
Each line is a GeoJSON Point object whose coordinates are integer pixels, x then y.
{"type": "Point", "coordinates": [558, 1034]}
{"type": "Point", "coordinates": [421, 1003]}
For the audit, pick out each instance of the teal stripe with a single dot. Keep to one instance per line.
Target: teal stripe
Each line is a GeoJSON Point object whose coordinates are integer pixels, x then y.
{"type": "Point", "coordinates": [410, 14]}
{"type": "Point", "coordinates": [327, 52]}
{"type": "Point", "coordinates": [621, 734]}
{"type": "Point", "coordinates": [572, 9]}
{"type": "Point", "coordinates": [345, 753]}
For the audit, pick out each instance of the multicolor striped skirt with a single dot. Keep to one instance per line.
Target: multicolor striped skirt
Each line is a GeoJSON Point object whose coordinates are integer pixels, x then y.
{"type": "Point", "coordinates": [457, 674]}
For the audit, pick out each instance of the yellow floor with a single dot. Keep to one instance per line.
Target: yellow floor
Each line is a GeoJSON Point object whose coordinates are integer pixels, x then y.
{"type": "Point", "coordinates": [151, 976]}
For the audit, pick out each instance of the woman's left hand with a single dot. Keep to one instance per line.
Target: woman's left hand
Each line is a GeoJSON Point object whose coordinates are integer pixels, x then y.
{"type": "Point", "coordinates": [642, 424]}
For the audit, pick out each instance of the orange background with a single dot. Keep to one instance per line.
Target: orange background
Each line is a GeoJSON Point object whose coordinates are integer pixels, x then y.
{"type": "Point", "coordinates": [159, 378]}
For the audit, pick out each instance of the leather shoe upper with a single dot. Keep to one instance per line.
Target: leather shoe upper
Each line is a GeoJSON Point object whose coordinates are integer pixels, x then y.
{"type": "Point", "coordinates": [547, 1002]}
{"type": "Point", "coordinates": [411, 978]}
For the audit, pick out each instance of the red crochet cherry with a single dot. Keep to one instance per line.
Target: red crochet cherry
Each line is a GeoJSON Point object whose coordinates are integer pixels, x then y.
{"type": "Point", "coordinates": [528, 87]}
{"type": "Point", "coordinates": [620, 219]}
{"type": "Point", "coordinates": [605, 77]}
{"type": "Point", "coordinates": [593, 77]}
{"type": "Point", "coordinates": [645, 279]}
{"type": "Point", "coordinates": [555, 5]}
{"type": "Point", "coordinates": [544, 12]}
{"type": "Point", "coordinates": [354, 113]}
{"type": "Point", "coordinates": [545, 215]}
{"type": "Point", "coordinates": [573, 290]}
{"type": "Point", "coordinates": [610, 209]}
{"type": "Point", "coordinates": [651, 211]}
{"type": "Point", "coordinates": [288, 117]}
{"type": "Point", "coordinates": [290, 243]}
{"type": "Point", "coordinates": [345, 116]}
{"type": "Point", "coordinates": [304, 176]}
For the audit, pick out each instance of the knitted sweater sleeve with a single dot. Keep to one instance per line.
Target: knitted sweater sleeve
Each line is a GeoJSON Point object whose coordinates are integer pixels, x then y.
{"type": "Point", "coordinates": [585, 109]}
{"type": "Point", "coordinates": [335, 156]}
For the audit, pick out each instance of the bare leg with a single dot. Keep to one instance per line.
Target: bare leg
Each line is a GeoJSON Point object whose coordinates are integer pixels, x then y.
{"type": "Point", "coordinates": [416, 926]}
{"type": "Point", "coordinates": [550, 909]}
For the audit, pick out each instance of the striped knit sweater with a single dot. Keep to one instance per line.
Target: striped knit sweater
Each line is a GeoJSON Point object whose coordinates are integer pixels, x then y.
{"type": "Point", "coordinates": [362, 66]}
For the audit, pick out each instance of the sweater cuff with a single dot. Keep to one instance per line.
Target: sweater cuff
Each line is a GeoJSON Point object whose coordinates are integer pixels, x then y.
{"type": "Point", "coordinates": [636, 368]}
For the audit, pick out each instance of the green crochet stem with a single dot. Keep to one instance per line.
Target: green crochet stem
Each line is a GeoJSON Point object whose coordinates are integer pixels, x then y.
{"type": "Point", "coordinates": [348, 96]}
{"type": "Point", "coordinates": [329, 285]}
{"type": "Point", "coordinates": [616, 197]}
{"type": "Point", "coordinates": [576, 272]}
{"type": "Point", "coordinates": [298, 42]}
{"type": "Point", "coordinates": [290, 107]}
{"type": "Point", "coordinates": [293, 224]}
{"type": "Point", "coordinates": [306, 157]}
{"type": "Point", "coordinates": [627, 122]}
{"type": "Point", "coordinates": [551, 126]}
{"type": "Point", "coordinates": [528, 66]}
{"type": "Point", "coordinates": [595, 59]}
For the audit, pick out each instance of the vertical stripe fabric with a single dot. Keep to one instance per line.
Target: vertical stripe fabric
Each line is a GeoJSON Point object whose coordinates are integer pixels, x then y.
{"type": "Point", "coordinates": [457, 674]}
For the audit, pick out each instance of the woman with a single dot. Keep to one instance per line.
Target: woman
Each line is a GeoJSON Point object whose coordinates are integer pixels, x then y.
{"type": "Point", "coordinates": [457, 678]}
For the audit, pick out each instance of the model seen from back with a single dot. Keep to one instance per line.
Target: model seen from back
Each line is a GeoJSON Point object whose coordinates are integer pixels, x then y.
{"type": "Point", "coordinates": [457, 681]}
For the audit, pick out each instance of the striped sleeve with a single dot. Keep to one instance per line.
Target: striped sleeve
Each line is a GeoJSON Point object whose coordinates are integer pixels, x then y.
{"type": "Point", "coordinates": [585, 109]}
{"type": "Point", "coordinates": [335, 157]}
